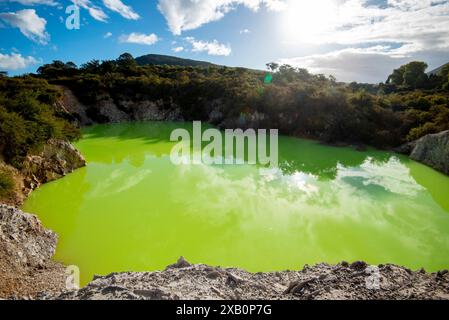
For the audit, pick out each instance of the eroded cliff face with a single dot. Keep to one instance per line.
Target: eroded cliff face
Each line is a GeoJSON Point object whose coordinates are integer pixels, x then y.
{"type": "Point", "coordinates": [70, 104]}
{"type": "Point", "coordinates": [26, 249]}
{"type": "Point", "coordinates": [108, 110]}
{"type": "Point", "coordinates": [124, 109]}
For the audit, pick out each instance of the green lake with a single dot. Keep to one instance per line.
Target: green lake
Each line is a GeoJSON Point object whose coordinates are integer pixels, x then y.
{"type": "Point", "coordinates": [131, 209]}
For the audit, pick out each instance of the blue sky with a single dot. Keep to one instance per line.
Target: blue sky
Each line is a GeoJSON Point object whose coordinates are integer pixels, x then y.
{"type": "Point", "coordinates": [360, 40]}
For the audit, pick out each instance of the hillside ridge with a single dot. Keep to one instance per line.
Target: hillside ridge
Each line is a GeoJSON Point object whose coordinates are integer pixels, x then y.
{"type": "Point", "coordinates": [159, 59]}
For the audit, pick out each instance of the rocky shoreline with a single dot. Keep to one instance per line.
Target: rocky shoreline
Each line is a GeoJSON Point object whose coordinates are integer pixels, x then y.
{"type": "Point", "coordinates": [356, 281]}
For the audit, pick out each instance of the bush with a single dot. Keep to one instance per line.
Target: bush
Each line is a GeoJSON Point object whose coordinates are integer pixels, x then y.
{"type": "Point", "coordinates": [28, 118]}
{"type": "Point", "coordinates": [6, 183]}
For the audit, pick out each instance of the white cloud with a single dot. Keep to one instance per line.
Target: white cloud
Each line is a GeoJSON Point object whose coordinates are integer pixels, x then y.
{"type": "Point", "coordinates": [371, 65]}
{"type": "Point", "coordinates": [107, 35]}
{"type": "Point", "coordinates": [245, 31]}
{"type": "Point", "coordinates": [213, 48]}
{"type": "Point", "coordinates": [178, 49]}
{"type": "Point", "coordinates": [95, 12]}
{"type": "Point", "coordinates": [375, 38]}
{"type": "Point", "coordinates": [29, 23]}
{"type": "Point", "coordinates": [119, 7]}
{"type": "Point", "coordinates": [182, 15]}
{"type": "Point", "coordinates": [36, 2]}
{"type": "Point", "coordinates": [418, 24]}
{"type": "Point", "coordinates": [15, 61]}
{"type": "Point", "coordinates": [139, 38]}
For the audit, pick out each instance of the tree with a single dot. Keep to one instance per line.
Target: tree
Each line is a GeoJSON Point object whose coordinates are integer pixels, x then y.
{"type": "Point", "coordinates": [444, 74]}
{"type": "Point", "coordinates": [57, 68]}
{"type": "Point", "coordinates": [412, 75]}
{"type": "Point", "coordinates": [272, 66]}
{"type": "Point", "coordinates": [126, 61]}
{"type": "Point", "coordinates": [415, 74]}
{"type": "Point", "coordinates": [445, 71]}
{"type": "Point", "coordinates": [397, 77]}
{"type": "Point", "coordinates": [108, 66]}
{"type": "Point", "coordinates": [287, 73]}
{"type": "Point", "coordinates": [92, 66]}
{"type": "Point", "coordinates": [71, 65]}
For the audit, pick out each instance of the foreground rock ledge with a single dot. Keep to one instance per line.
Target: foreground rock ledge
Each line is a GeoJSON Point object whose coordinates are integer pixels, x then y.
{"type": "Point", "coordinates": [193, 282]}
{"type": "Point", "coordinates": [26, 250]}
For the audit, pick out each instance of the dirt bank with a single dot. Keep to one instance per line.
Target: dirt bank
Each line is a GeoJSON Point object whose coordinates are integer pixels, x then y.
{"type": "Point", "coordinates": [356, 281]}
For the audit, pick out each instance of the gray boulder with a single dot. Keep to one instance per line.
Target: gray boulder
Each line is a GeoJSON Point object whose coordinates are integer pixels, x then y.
{"type": "Point", "coordinates": [433, 150]}
{"type": "Point", "coordinates": [23, 237]}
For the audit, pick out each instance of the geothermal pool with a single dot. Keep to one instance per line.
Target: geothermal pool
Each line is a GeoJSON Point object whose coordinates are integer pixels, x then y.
{"type": "Point", "coordinates": [131, 209]}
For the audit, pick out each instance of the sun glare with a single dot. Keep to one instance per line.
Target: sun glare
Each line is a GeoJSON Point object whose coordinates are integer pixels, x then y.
{"type": "Point", "coordinates": [304, 20]}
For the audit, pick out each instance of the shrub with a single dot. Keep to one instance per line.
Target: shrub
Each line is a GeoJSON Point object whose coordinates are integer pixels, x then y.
{"type": "Point", "coordinates": [28, 118]}
{"type": "Point", "coordinates": [6, 182]}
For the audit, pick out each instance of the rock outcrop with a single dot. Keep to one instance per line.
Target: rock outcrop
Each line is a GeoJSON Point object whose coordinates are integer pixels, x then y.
{"type": "Point", "coordinates": [108, 110]}
{"type": "Point", "coordinates": [432, 150]}
{"type": "Point", "coordinates": [57, 159]}
{"type": "Point", "coordinates": [24, 237]}
{"type": "Point", "coordinates": [357, 281]}
{"type": "Point", "coordinates": [26, 249]}
{"type": "Point", "coordinates": [152, 111]}
{"type": "Point", "coordinates": [71, 105]}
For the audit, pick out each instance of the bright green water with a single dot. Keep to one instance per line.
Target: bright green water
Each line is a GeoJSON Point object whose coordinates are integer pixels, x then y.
{"type": "Point", "coordinates": [130, 209]}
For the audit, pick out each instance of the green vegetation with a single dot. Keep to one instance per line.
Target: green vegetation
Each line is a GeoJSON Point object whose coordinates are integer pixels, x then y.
{"type": "Point", "coordinates": [413, 76]}
{"type": "Point", "coordinates": [409, 105]}
{"type": "Point", "coordinates": [29, 117]}
{"type": "Point", "coordinates": [6, 183]}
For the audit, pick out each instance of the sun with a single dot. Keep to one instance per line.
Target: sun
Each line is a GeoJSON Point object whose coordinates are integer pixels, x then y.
{"type": "Point", "coordinates": [307, 20]}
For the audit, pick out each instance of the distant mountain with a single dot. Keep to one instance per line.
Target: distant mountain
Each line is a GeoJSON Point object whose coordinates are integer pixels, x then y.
{"type": "Point", "coordinates": [157, 59]}
{"type": "Point", "coordinates": [437, 70]}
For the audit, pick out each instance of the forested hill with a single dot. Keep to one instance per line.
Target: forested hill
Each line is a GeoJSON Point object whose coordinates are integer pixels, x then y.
{"type": "Point", "coordinates": [163, 60]}
{"type": "Point", "coordinates": [439, 70]}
